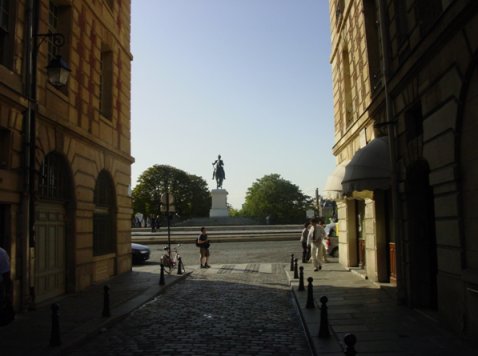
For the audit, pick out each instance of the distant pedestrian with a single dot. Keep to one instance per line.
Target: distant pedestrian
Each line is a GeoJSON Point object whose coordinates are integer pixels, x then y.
{"type": "Point", "coordinates": [155, 223]}
{"type": "Point", "coordinates": [203, 243]}
{"type": "Point", "coordinates": [303, 240]}
{"type": "Point", "coordinates": [315, 238]}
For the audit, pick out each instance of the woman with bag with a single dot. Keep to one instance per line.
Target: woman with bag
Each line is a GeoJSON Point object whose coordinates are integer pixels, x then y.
{"type": "Point", "coordinates": [203, 244]}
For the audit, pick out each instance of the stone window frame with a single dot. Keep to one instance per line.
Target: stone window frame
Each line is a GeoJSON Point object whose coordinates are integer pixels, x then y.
{"type": "Point", "coordinates": [60, 19]}
{"type": "Point", "coordinates": [53, 180]}
{"type": "Point", "coordinates": [5, 140]}
{"type": "Point", "coordinates": [104, 216]}
{"type": "Point", "coordinates": [7, 32]}
{"type": "Point", "coordinates": [106, 83]}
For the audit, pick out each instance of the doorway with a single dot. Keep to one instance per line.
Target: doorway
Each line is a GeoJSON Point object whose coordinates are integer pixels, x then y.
{"type": "Point", "coordinates": [360, 216]}
{"type": "Point", "coordinates": [421, 237]}
{"type": "Point", "coordinates": [53, 251]}
{"type": "Point", "coordinates": [50, 277]}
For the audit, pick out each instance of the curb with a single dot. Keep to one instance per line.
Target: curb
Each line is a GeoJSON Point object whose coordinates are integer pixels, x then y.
{"type": "Point", "coordinates": [303, 323]}
{"type": "Point", "coordinates": [74, 337]}
{"type": "Point", "coordinates": [318, 346]}
{"type": "Point", "coordinates": [216, 239]}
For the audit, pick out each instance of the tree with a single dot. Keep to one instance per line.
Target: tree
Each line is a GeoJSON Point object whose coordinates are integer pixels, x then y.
{"type": "Point", "coordinates": [201, 199]}
{"type": "Point", "coordinates": [191, 196]}
{"type": "Point", "coordinates": [274, 197]}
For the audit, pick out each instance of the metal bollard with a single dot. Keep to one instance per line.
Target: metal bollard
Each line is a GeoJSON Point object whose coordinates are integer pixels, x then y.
{"type": "Point", "coordinates": [324, 318]}
{"type": "Point", "coordinates": [292, 262]}
{"type": "Point", "coordinates": [350, 341]}
{"type": "Point", "coordinates": [55, 325]}
{"type": "Point", "coordinates": [161, 275]}
{"type": "Point", "coordinates": [310, 294]}
{"type": "Point", "coordinates": [106, 302]}
{"type": "Point", "coordinates": [296, 270]}
{"type": "Point", "coordinates": [180, 266]}
{"type": "Point", "coordinates": [301, 279]}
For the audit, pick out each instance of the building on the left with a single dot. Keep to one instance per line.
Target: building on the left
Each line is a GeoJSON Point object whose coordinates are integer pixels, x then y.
{"type": "Point", "coordinates": [65, 150]}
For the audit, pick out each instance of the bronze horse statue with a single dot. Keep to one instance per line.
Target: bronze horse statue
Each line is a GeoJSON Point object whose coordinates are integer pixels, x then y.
{"type": "Point", "coordinates": [218, 173]}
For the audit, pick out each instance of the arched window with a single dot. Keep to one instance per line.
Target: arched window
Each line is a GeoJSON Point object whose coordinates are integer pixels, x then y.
{"type": "Point", "coordinates": [104, 235]}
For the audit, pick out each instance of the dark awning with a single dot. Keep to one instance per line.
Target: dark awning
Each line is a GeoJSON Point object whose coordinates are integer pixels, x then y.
{"type": "Point", "coordinates": [333, 185]}
{"type": "Point", "coordinates": [369, 169]}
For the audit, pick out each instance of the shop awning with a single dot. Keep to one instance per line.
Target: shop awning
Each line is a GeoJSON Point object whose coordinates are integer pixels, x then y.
{"type": "Point", "coordinates": [333, 185]}
{"type": "Point", "coordinates": [369, 168]}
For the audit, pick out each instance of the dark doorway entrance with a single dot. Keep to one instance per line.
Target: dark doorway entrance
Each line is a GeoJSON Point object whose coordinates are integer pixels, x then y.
{"type": "Point", "coordinates": [421, 237]}
{"type": "Point", "coordinates": [360, 211]}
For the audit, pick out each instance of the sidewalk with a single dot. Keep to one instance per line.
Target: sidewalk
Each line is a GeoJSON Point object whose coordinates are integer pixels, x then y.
{"type": "Point", "coordinates": [365, 309]}
{"type": "Point", "coordinates": [355, 306]}
{"type": "Point", "coordinates": [81, 313]}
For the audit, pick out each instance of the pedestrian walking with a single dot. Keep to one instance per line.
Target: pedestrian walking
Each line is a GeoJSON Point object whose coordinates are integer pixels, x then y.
{"type": "Point", "coordinates": [203, 244]}
{"type": "Point", "coordinates": [315, 238]}
{"type": "Point", "coordinates": [304, 242]}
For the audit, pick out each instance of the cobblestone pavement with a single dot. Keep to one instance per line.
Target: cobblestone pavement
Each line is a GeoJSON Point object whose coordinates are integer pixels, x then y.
{"type": "Point", "coordinates": [225, 310]}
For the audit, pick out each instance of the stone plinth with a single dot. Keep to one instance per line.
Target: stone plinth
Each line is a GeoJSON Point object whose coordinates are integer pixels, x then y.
{"type": "Point", "coordinates": [219, 203]}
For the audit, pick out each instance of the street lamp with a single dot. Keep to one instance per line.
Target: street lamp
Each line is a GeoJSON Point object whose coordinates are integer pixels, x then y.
{"type": "Point", "coordinates": [58, 70]}
{"type": "Point", "coordinates": [167, 206]}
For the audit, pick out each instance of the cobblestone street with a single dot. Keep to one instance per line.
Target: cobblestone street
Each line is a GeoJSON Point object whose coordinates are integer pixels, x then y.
{"type": "Point", "coordinates": [225, 310]}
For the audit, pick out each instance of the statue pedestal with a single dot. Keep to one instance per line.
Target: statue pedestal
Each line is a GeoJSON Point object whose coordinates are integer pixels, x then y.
{"type": "Point", "coordinates": [219, 203]}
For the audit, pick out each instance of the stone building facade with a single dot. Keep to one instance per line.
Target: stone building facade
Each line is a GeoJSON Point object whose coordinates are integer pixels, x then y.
{"type": "Point", "coordinates": [65, 155]}
{"type": "Point", "coordinates": [406, 87]}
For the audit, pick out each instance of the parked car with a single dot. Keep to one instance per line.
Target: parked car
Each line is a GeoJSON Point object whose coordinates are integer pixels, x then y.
{"type": "Point", "coordinates": [140, 253]}
{"type": "Point", "coordinates": [332, 240]}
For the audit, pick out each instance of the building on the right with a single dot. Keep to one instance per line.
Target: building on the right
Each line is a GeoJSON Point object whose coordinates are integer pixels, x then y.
{"type": "Point", "coordinates": [405, 85]}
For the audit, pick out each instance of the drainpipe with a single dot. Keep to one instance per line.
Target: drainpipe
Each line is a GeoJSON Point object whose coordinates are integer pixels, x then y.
{"type": "Point", "coordinates": [402, 279]}
{"type": "Point", "coordinates": [27, 293]}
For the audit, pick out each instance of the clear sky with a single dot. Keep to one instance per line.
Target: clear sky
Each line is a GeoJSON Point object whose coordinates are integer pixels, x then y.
{"type": "Point", "coordinates": [247, 79]}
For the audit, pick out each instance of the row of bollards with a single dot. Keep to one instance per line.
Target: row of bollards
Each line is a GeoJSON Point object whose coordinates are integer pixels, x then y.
{"type": "Point", "coordinates": [350, 341]}
{"type": "Point", "coordinates": [106, 302]}
{"type": "Point", "coordinates": [180, 271]}
{"type": "Point", "coordinates": [55, 336]}
{"type": "Point", "coordinates": [324, 331]}
{"type": "Point", "coordinates": [180, 265]}
{"type": "Point", "coordinates": [296, 272]}
{"type": "Point", "coordinates": [161, 276]}
{"type": "Point", "coordinates": [55, 339]}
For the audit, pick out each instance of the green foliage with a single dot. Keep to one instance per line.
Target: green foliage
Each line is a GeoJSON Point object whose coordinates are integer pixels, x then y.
{"type": "Point", "coordinates": [191, 195]}
{"type": "Point", "coordinates": [201, 199]}
{"type": "Point", "coordinates": [277, 198]}
{"type": "Point", "coordinates": [232, 211]}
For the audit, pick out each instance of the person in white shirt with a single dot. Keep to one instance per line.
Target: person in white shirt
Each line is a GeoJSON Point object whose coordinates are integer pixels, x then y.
{"type": "Point", "coordinates": [315, 238]}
